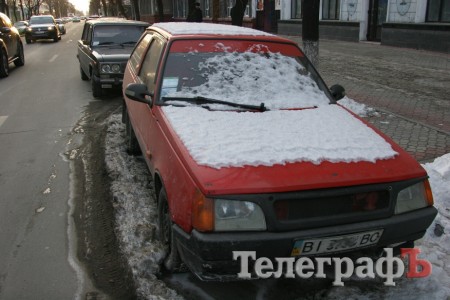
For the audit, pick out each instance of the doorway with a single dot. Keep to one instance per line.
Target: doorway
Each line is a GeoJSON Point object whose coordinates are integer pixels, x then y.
{"type": "Point", "coordinates": [377, 16]}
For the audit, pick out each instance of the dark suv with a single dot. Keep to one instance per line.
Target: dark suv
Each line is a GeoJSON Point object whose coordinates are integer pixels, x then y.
{"type": "Point", "coordinates": [11, 48]}
{"type": "Point", "coordinates": [104, 49]}
{"type": "Point", "coordinates": [42, 27]}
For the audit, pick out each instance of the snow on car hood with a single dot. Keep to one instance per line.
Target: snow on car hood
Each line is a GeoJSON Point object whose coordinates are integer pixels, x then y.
{"type": "Point", "coordinates": [221, 139]}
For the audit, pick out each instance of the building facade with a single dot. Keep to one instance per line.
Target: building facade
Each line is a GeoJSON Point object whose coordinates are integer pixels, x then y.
{"type": "Point", "coordinates": [419, 24]}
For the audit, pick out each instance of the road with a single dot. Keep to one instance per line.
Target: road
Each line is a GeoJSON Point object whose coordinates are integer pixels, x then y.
{"type": "Point", "coordinates": [39, 105]}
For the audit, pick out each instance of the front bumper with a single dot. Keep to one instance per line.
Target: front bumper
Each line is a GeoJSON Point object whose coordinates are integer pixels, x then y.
{"type": "Point", "coordinates": [209, 255]}
{"type": "Point", "coordinates": [37, 35]}
{"type": "Point", "coordinates": [110, 82]}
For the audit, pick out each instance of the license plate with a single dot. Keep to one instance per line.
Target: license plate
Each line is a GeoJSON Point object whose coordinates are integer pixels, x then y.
{"type": "Point", "coordinates": [336, 244]}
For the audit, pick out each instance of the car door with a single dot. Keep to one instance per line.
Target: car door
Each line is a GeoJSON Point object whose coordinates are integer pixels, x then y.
{"type": "Point", "coordinates": [145, 122]}
{"type": "Point", "coordinates": [7, 35]}
{"type": "Point", "coordinates": [84, 48]}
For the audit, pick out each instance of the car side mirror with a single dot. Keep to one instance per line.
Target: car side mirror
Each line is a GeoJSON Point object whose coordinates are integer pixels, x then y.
{"type": "Point", "coordinates": [139, 92]}
{"type": "Point", "coordinates": [337, 91]}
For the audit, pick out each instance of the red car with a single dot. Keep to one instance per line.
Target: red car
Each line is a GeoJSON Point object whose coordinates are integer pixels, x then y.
{"type": "Point", "coordinates": [249, 151]}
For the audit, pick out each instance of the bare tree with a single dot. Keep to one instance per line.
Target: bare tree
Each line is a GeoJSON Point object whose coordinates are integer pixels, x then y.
{"type": "Point", "coordinates": [159, 4]}
{"type": "Point", "coordinates": [3, 7]}
{"type": "Point", "coordinates": [137, 13]}
{"type": "Point", "coordinates": [13, 4]}
{"type": "Point", "coordinates": [21, 9]}
{"type": "Point", "coordinates": [310, 30]}
{"type": "Point", "coordinates": [215, 11]}
{"type": "Point", "coordinates": [105, 7]}
{"type": "Point", "coordinates": [121, 9]}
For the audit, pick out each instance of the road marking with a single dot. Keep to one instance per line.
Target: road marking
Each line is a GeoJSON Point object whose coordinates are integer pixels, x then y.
{"type": "Point", "coordinates": [3, 119]}
{"type": "Point", "coordinates": [53, 58]}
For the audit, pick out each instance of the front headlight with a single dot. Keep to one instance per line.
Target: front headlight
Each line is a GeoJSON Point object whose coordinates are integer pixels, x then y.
{"type": "Point", "coordinates": [50, 28]}
{"type": "Point", "coordinates": [226, 215]}
{"type": "Point", "coordinates": [28, 29]}
{"type": "Point", "coordinates": [231, 215]}
{"type": "Point", "coordinates": [110, 68]}
{"type": "Point", "coordinates": [414, 197]}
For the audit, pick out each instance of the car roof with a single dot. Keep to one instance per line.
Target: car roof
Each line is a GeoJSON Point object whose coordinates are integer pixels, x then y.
{"type": "Point", "coordinates": [40, 16]}
{"type": "Point", "coordinates": [182, 30]}
{"type": "Point", "coordinates": [116, 21]}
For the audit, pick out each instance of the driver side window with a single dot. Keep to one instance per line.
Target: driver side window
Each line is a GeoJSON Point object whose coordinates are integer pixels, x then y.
{"type": "Point", "coordinates": [150, 64]}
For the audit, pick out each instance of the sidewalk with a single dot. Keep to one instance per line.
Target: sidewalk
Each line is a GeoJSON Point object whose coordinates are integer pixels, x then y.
{"type": "Point", "coordinates": [409, 88]}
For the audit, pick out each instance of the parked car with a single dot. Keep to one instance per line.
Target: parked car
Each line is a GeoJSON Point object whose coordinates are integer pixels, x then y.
{"type": "Point", "coordinates": [249, 150]}
{"type": "Point", "coordinates": [75, 20]}
{"type": "Point", "coordinates": [104, 49]}
{"type": "Point", "coordinates": [21, 26]}
{"type": "Point", "coordinates": [42, 27]}
{"type": "Point", "coordinates": [62, 27]}
{"type": "Point", "coordinates": [11, 47]}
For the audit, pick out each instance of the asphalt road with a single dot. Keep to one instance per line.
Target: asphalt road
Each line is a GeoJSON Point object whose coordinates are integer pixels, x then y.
{"type": "Point", "coordinates": [39, 105]}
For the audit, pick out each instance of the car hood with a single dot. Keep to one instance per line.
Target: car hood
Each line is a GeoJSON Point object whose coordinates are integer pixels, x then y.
{"type": "Point", "coordinates": [41, 25]}
{"type": "Point", "coordinates": [113, 54]}
{"type": "Point", "coordinates": [289, 160]}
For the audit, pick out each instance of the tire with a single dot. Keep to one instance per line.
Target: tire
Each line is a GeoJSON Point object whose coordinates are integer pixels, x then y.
{"type": "Point", "coordinates": [131, 140]}
{"type": "Point", "coordinates": [28, 41]}
{"type": "Point", "coordinates": [83, 75]}
{"type": "Point", "coordinates": [172, 262]}
{"type": "Point", "coordinates": [96, 88]}
{"type": "Point", "coordinates": [4, 65]}
{"type": "Point", "coordinates": [20, 57]}
{"type": "Point", "coordinates": [55, 38]}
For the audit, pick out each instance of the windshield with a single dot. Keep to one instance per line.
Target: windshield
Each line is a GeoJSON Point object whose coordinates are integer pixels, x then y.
{"type": "Point", "coordinates": [116, 34]}
{"type": "Point", "coordinates": [41, 20]}
{"type": "Point", "coordinates": [254, 73]}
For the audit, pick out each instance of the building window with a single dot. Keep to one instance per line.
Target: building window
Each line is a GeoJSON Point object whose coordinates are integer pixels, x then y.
{"type": "Point", "coordinates": [207, 5]}
{"type": "Point", "coordinates": [438, 11]}
{"type": "Point", "coordinates": [180, 8]}
{"type": "Point", "coordinates": [228, 4]}
{"type": "Point", "coordinates": [296, 9]}
{"type": "Point", "coordinates": [330, 9]}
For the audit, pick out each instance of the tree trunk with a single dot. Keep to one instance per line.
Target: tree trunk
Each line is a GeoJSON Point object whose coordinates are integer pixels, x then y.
{"type": "Point", "coordinates": [216, 13]}
{"type": "Point", "coordinates": [137, 14]}
{"type": "Point", "coordinates": [3, 6]}
{"type": "Point", "coordinates": [122, 9]}
{"type": "Point", "coordinates": [21, 9]}
{"type": "Point", "coordinates": [159, 4]}
{"type": "Point", "coordinates": [105, 8]}
{"type": "Point", "coordinates": [310, 30]}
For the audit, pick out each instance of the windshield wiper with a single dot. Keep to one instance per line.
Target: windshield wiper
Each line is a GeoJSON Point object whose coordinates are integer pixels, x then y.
{"type": "Point", "coordinates": [128, 43]}
{"type": "Point", "coordinates": [107, 43]}
{"type": "Point", "coordinates": [202, 100]}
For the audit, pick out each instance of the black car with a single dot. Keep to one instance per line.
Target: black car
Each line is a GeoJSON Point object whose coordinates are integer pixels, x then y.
{"type": "Point", "coordinates": [104, 49]}
{"type": "Point", "coordinates": [11, 48]}
{"type": "Point", "coordinates": [42, 27]}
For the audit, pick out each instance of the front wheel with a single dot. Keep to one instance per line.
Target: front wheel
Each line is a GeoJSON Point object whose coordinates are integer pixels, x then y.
{"type": "Point", "coordinates": [132, 142]}
{"type": "Point", "coordinates": [4, 66]}
{"type": "Point", "coordinates": [20, 57]}
{"type": "Point", "coordinates": [96, 88]}
{"type": "Point", "coordinates": [172, 262]}
{"type": "Point", "coordinates": [83, 75]}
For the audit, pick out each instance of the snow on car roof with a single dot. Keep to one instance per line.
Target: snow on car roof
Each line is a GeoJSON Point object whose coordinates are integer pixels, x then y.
{"type": "Point", "coordinates": [229, 139]}
{"type": "Point", "coordinates": [208, 28]}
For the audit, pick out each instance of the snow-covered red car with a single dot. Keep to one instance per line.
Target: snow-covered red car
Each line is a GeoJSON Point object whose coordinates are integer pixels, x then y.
{"type": "Point", "coordinates": [249, 151]}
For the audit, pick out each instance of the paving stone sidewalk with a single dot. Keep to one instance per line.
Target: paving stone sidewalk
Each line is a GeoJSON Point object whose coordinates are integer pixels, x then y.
{"type": "Point", "coordinates": [409, 88]}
